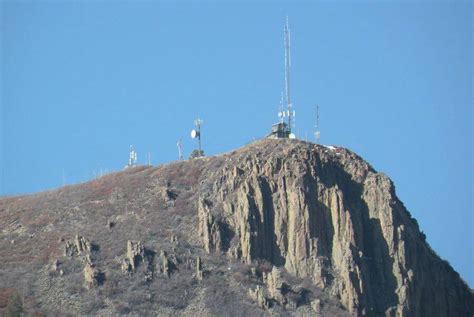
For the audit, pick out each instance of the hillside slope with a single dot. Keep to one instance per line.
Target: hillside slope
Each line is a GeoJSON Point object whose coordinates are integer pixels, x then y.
{"type": "Point", "coordinates": [279, 227]}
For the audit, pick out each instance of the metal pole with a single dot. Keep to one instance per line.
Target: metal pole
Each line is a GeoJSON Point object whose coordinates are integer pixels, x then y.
{"type": "Point", "coordinates": [199, 138]}
{"type": "Point", "coordinates": [287, 73]}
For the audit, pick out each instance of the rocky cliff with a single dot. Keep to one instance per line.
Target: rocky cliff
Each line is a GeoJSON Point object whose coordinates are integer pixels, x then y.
{"type": "Point", "coordinates": [324, 213]}
{"type": "Point", "coordinates": [279, 227]}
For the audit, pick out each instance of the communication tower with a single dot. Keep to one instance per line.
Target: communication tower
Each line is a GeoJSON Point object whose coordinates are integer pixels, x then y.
{"type": "Point", "coordinates": [290, 112]}
{"type": "Point", "coordinates": [317, 133]}
{"type": "Point", "coordinates": [284, 129]}
{"type": "Point", "coordinates": [196, 134]}
{"type": "Point", "coordinates": [132, 157]}
{"type": "Point", "coordinates": [179, 145]}
{"type": "Point", "coordinates": [281, 111]}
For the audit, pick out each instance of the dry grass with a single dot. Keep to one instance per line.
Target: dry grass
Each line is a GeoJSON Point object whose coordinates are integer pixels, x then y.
{"type": "Point", "coordinates": [40, 224]}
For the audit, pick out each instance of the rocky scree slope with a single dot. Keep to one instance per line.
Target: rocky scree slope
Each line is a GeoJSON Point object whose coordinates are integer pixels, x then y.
{"type": "Point", "coordinates": [279, 227]}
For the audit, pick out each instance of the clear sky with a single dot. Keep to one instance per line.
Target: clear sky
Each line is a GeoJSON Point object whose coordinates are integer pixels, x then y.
{"type": "Point", "coordinates": [81, 81]}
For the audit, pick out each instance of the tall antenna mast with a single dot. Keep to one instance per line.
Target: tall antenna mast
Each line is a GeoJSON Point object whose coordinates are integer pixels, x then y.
{"type": "Point", "coordinates": [198, 122]}
{"type": "Point", "coordinates": [317, 133]}
{"type": "Point", "coordinates": [197, 134]}
{"type": "Point", "coordinates": [179, 144]}
{"type": "Point", "coordinates": [287, 75]}
{"type": "Point", "coordinates": [132, 157]}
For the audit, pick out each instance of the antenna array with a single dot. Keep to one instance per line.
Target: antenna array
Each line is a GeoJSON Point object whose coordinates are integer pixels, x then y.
{"type": "Point", "coordinates": [281, 112]}
{"type": "Point", "coordinates": [290, 112]}
{"type": "Point", "coordinates": [197, 134]}
{"type": "Point", "coordinates": [133, 157]}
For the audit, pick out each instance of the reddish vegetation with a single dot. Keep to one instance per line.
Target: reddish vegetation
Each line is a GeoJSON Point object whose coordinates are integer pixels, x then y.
{"type": "Point", "coordinates": [157, 209]}
{"type": "Point", "coordinates": [5, 294]}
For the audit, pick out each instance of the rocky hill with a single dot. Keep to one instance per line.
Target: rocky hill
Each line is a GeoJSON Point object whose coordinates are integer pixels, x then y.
{"type": "Point", "coordinates": [279, 227]}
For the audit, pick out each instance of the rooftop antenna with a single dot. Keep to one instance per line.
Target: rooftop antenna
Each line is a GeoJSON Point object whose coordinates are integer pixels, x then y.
{"type": "Point", "coordinates": [179, 144]}
{"type": "Point", "coordinates": [197, 133]}
{"type": "Point", "coordinates": [132, 157]}
{"type": "Point", "coordinates": [290, 112]}
{"type": "Point", "coordinates": [317, 133]}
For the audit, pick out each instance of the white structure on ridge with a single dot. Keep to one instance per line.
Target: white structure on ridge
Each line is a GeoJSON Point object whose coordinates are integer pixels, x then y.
{"type": "Point", "coordinates": [132, 157]}
{"type": "Point", "coordinates": [290, 111]}
{"type": "Point", "coordinates": [317, 133]}
{"type": "Point", "coordinates": [283, 129]}
{"type": "Point", "coordinates": [179, 145]}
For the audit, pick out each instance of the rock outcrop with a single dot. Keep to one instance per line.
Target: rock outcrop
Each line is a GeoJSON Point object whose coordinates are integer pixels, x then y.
{"type": "Point", "coordinates": [199, 270]}
{"type": "Point", "coordinates": [324, 213]}
{"type": "Point", "coordinates": [92, 275]}
{"type": "Point", "coordinates": [165, 265]}
{"type": "Point", "coordinates": [77, 246]}
{"type": "Point", "coordinates": [137, 256]}
{"type": "Point", "coordinates": [276, 228]}
{"type": "Point", "coordinates": [257, 295]}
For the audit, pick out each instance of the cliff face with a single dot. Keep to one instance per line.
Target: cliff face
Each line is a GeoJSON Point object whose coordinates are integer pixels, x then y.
{"type": "Point", "coordinates": [279, 227]}
{"type": "Point", "coordinates": [324, 213]}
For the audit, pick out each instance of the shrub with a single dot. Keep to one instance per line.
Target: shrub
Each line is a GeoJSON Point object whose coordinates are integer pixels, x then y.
{"type": "Point", "coordinates": [15, 306]}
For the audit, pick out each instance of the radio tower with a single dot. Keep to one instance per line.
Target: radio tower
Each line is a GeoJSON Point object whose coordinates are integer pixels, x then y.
{"type": "Point", "coordinates": [179, 144]}
{"type": "Point", "coordinates": [317, 133]}
{"type": "Point", "coordinates": [132, 157]}
{"type": "Point", "coordinates": [290, 112]}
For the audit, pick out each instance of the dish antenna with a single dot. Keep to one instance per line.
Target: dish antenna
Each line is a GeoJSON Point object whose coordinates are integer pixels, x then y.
{"type": "Point", "coordinates": [197, 132]}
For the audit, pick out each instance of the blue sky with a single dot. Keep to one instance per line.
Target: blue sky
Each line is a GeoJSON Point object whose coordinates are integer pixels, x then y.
{"type": "Point", "coordinates": [81, 81]}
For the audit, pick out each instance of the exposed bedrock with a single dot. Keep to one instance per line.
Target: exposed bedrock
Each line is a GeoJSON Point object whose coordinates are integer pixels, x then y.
{"type": "Point", "coordinates": [324, 213]}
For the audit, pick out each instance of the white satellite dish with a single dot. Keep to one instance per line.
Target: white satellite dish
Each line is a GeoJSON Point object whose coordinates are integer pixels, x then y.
{"type": "Point", "coordinates": [194, 134]}
{"type": "Point", "coordinates": [292, 136]}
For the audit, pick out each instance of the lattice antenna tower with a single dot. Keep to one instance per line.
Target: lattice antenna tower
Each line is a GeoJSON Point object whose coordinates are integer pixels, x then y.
{"type": "Point", "coordinates": [317, 132]}
{"type": "Point", "coordinates": [197, 133]}
{"type": "Point", "coordinates": [179, 145]}
{"type": "Point", "coordinates": [290, 111]}
{"type": "Point", "coordinates": [132, 157]}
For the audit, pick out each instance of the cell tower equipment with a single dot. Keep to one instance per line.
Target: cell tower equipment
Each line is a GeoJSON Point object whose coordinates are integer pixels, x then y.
{"type": "Point", "coordinates": [197, 134]}
{"type": "Point", "coordinates": [290, 111]}
{"type": "Point", "coordinates": [317, 133]}
{"type": "Point", "coordinates": [282, 129]}
{"type": "Point", "coordinates": [132, 157]}
{"type": "Point", "coordinates": [281, 112]}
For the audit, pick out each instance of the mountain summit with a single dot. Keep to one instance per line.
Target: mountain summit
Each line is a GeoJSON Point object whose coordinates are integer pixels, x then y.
{"type": "Point", "coordinates": [279, 227]}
